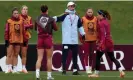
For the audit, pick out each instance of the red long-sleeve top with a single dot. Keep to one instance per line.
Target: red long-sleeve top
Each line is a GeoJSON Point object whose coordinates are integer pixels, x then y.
{"type": "Point", "coordinates": [27, 21]}
{"type": "Point", "coordinates": [103, 31]}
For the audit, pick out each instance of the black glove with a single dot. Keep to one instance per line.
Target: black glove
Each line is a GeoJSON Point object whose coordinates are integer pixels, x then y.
{"type": "Point", "coordinates": [6, 43]}
{"type": "Point", "coordinates": [83, 37]}
{"type": "Point", "coordinates": [25, 43]}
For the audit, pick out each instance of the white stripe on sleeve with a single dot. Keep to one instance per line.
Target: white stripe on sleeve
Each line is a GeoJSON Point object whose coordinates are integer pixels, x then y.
{"type": "Point", "coordinates": [81, 30]}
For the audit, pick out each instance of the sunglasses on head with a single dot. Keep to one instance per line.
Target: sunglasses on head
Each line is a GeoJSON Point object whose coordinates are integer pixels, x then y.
{"type": "Point", "coordinates": [72, 5]}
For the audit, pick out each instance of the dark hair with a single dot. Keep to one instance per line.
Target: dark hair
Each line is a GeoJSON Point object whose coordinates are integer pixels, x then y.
{"type": "Point", "coordinates": [44, 8]}
{"type": "Point", "coordinates": [105, 14]}
{"type": "Point", "coordinates": [14, 9]}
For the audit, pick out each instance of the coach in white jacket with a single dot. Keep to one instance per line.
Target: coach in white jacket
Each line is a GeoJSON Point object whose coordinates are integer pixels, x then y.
{"type": "Point", "coordinates": [71, 24]}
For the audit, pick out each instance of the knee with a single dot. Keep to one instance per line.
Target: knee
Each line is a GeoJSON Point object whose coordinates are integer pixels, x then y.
{"type": "Point", "coordinates": [15, 55]}
{"type": "Point", "coordinates": [9, 55]}
{"type": "Point", "coordinates": [49, 59]}
{"type": "Point", "coordinates": [39, 60]}
{"type": "Point", "coordinates": [24, 55]}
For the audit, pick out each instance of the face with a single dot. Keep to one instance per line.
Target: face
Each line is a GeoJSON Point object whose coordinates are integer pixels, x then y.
{"type": "Point", "coordinates": [99, 16]}
{"type": "Point", "coordinates": [15, 14]}
{"type": "Point", "coordinates": [89, 12]}
{"type": "Point", "coordinates": [24, 10]}
{"type": "Point", "coordinates": [71, 7]}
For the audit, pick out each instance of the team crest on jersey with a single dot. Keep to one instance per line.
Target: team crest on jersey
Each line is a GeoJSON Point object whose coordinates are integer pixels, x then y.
{"type": "Point", "coordinates": [91, 29]}
{"type": "Point", "coordinates": [17, 28]}
{"type": "Point", "coordinates": [43, 21]}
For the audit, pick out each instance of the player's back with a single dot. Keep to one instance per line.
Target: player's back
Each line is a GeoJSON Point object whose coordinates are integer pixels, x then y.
{"type": "Point", "coordinates": [44, 25]}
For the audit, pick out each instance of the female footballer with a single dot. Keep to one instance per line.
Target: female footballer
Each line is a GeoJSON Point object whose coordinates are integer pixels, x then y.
{"type": "Point", "coordinates": [27, 35]}
{"type": "Point", "coordinates": [45, 26]}
{"type": "Point", "coordinates": [90, 27]}
{"type": "Point", "coordinates": [13, 39]}
{"type": "Point", "coordinates": [105, 42]}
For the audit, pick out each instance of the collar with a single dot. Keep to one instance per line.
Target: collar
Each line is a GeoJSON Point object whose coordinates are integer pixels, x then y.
{"type": "Point", "coordinates": [89, 18]}
{"type": "Point", "coordinates": [24, 16]}
{"type": "Point", "coordinates": [15, 19]}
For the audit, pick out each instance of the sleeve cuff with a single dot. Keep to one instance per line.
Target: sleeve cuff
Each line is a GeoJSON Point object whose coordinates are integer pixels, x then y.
{"type": "Point", "coordinates": [81, 30]}
{"type": "Point", "coordinates": [55, 18]}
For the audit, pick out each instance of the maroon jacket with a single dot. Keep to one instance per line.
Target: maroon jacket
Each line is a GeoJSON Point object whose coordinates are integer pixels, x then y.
{"type": "Point", "coordinates": [30, 26]}
{"type": "Point", "coordinates": [48, 28]}
{"type": "Point", "coordinates": [103, 32]}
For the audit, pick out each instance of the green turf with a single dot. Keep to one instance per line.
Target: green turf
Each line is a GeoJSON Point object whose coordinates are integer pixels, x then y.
{"type": "Point", "coordinates": [121, 12]}
{"type": "Point", "coordinates": [107, 75]}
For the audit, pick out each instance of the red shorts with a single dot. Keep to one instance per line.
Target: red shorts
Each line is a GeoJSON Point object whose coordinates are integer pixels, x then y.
{"type": "Point", "coordinates": [15, 44]}
{"type": "Point", "coordinates": [44, 42]}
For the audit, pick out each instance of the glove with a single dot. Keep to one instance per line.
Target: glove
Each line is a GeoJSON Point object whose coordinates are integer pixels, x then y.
{"type": "Point", "coordinates": [80, 38]}
{"type": "Point", "coordinates": [6, 43]}
{"type": "Point", "coordinates": [83, 37]}
{"type": "Point", "coordinates": [25, 43]}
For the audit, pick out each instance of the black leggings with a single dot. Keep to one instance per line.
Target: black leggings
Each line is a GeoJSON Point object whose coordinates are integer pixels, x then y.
{"type": "Point", "coordinates": [111, 56]}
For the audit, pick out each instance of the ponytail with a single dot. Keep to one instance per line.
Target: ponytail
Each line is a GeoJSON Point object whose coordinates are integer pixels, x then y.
{"type": "Point", "coordinates": [105, 14]}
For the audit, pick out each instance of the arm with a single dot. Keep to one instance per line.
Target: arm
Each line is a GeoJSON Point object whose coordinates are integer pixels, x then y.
{"type": "Point", "coordinates": [102, 34]}
{"type": "Point", "coordinates": [6, 35]}
{"type": "Point", "coordinates": [82, 20]}
{"type": "Point", "coordinates": [60, 18]}
{"type": "Point", "coordinates": [54, 26]}
{"type": "Point", "coordinates": [35, 26]}
{"type": "Point", "coordinates": [81, 30]}
{"type": "Point", "coordinates": [23, 32]}
{"type": "Point", "coordinates": [101, 45]}
{"type": "Point", "coordinates": [80, 27]}
{"type": "Point", "coordinates": [80, 36]}
{"type": "Point", "coordinates": [29, 26]}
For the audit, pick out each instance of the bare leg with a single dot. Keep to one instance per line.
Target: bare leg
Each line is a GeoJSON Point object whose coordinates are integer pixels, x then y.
{"type": "Point", "coordinates": [24, 57]}
{"type": "Point", "coordinates": [15, 57]}
{"type": "Point", "coordinates": [40, 53]}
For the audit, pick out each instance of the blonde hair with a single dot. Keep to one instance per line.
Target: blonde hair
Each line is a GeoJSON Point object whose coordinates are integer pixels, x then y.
{"type": "Point", "coordinates": [23, 7]}
{"type": "Point", "coordinates": [89, 8]}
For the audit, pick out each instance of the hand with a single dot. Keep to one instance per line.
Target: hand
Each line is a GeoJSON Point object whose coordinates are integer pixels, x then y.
{"type": "Point", "coordinates": [83, 37]}
{"type": "Point", "coordinates": [101, 47]}
{"type": "Point", "coordinates": [26, 26]}
{"type": "Point", "coordinates": [80, 38]}
{"type": "Point", "coordinates": [6, 43]}
{"type": "Point", "coordinates": [25, 43]}
{"type": "Point", "coordinates": [55, 18]}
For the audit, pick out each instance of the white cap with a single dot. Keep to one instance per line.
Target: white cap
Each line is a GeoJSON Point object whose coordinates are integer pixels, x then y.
{"type": "Point", "coordinates": [70, 3]}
